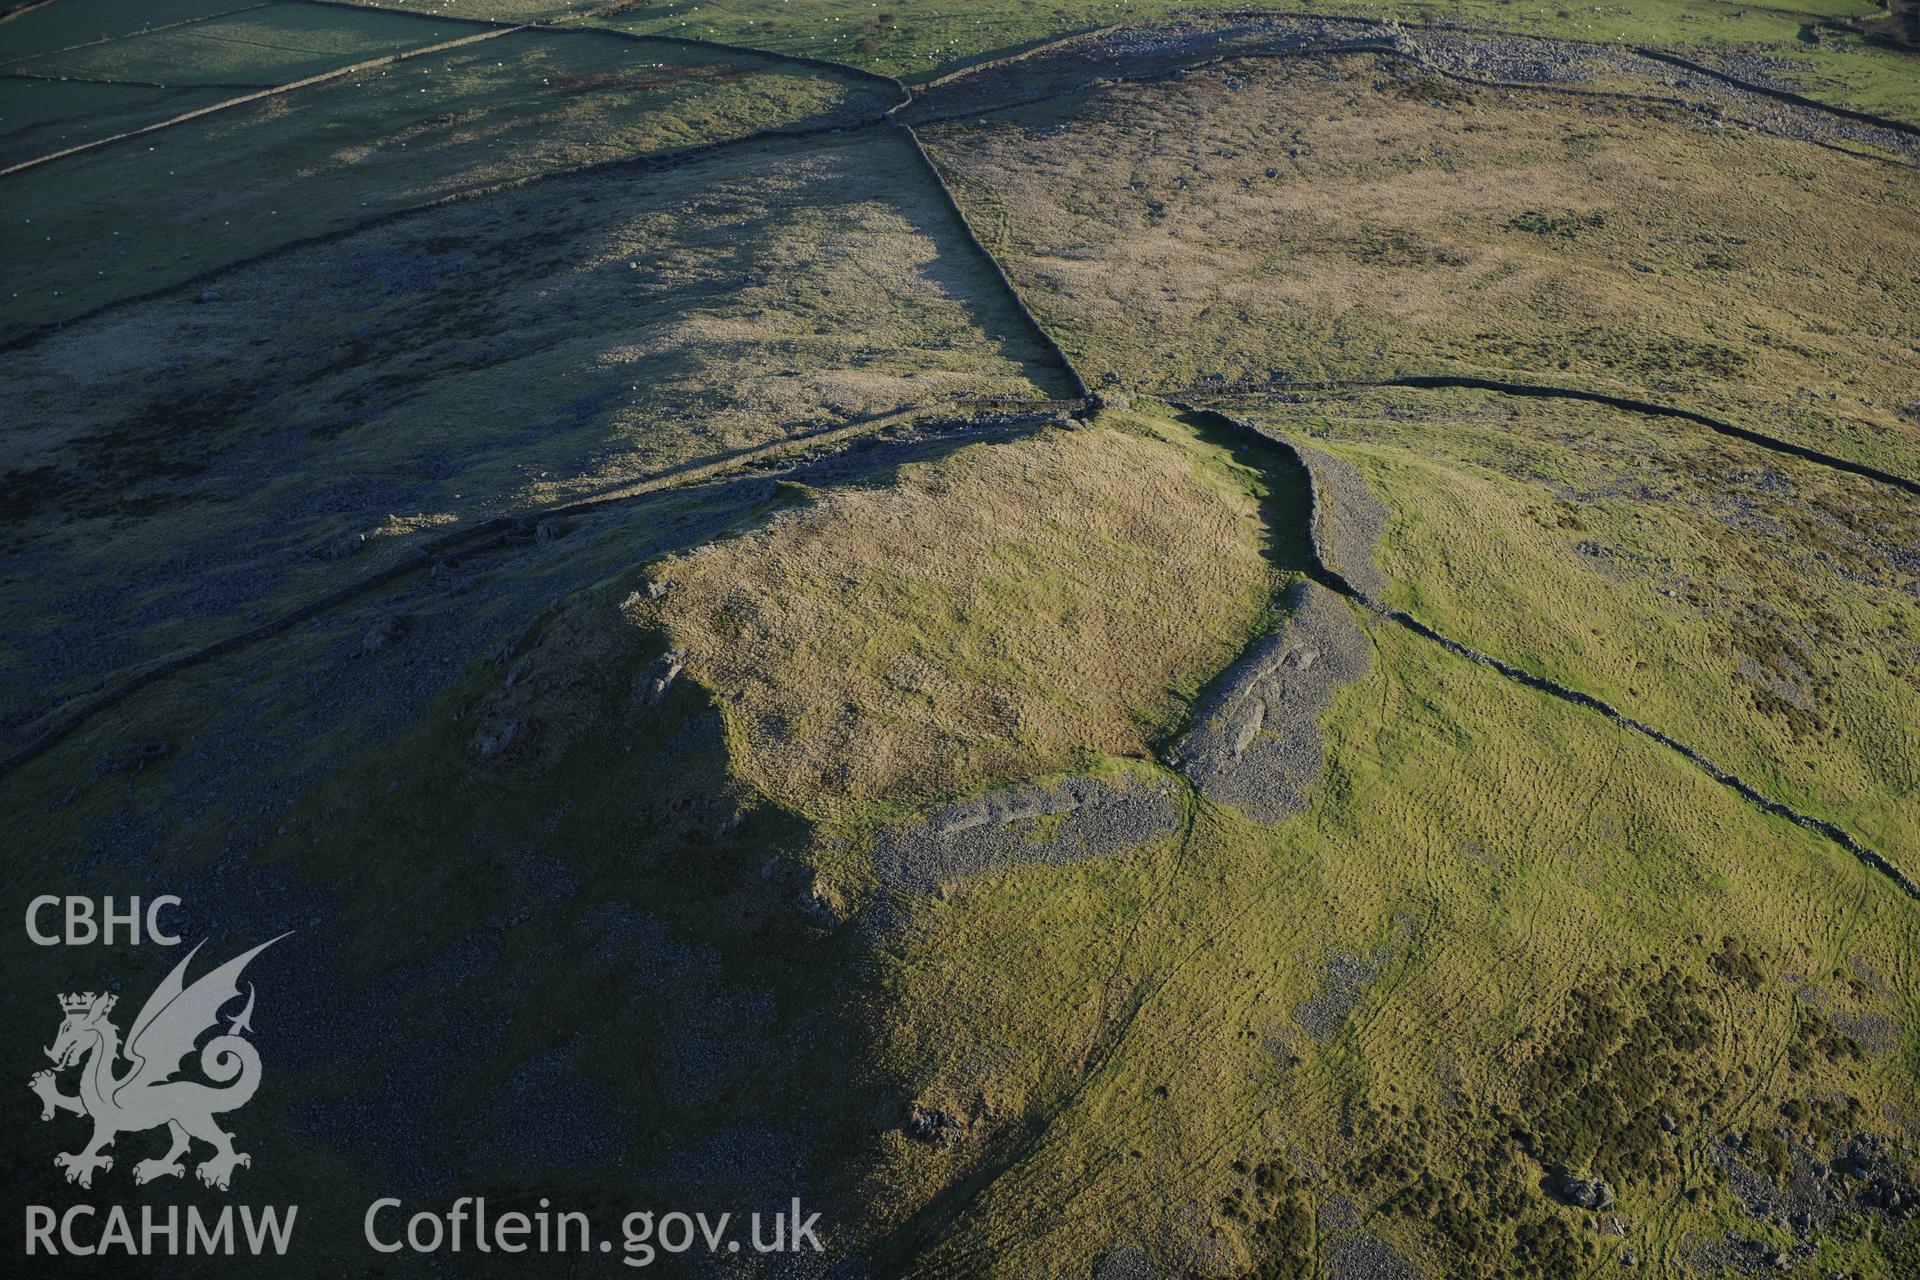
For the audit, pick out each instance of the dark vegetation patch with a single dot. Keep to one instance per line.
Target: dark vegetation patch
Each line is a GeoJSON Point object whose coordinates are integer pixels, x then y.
{"type": "Point", "coordinates": [1634, 356]}
{"type": "Point", "coordinates": [1614, 1095]}
{"type": "Point", "coordinates": [1273, 1209]}
{"type": "Point", "coordinates": [1594, 1091]}
{"type": "Point", "coordinates": [1569, 224]}
{"type": "Point", "coordinates": [647, 82]}
{"type": "Point", "coordinates": [1463, 1184]}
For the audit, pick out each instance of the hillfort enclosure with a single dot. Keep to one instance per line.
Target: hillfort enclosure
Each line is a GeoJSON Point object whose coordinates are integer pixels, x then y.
{"type": "Point", "coordinates": [1097, 639]}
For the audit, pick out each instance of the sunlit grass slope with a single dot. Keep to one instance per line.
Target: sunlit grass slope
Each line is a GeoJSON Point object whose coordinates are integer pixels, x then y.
{"type": "Point", "coordinates": [1759, 608]}
{"type": "Point", "coordinates": [1011, 610]}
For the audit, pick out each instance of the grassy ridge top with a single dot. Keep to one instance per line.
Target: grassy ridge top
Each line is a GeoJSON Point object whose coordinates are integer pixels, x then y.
{"type": "Point", "coordinates": [998, 614]}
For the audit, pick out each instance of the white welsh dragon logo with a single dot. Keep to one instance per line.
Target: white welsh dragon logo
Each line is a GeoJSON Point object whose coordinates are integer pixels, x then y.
{"type": "Point", "coordinates": [146, 1096]}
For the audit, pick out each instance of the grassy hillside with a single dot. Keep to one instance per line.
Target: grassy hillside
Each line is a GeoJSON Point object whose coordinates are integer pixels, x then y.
{"type": "Point", "coordinates": [1340, 1035]}
{"type": "Point", "coordinates": [1757, 607]}
{"type": "Point", "coordinates": [723, 724]}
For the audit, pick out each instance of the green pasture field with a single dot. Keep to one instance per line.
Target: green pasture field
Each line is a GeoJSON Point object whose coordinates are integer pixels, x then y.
{"type": "Point", "coordinates": [494, 10]}
{"type": "Point", "coordinates": [914, 40]}
{"type": "Point", "coordinates": [33, 30]}
{"type": "Point", "coordinates": [155, 211]}
{"type": "Point", "coordinates": [39, 117]}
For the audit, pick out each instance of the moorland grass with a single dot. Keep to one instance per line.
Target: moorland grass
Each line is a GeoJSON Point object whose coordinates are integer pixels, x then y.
{"type": "Point", "coordinates": [1477, 854]}
{"type": "Point", "coordinates": [1503, 934]}
{"type": "Point", "coordinates": [921, 39]}
{"type": "Point", "coordinates": [1124, 1044]}
{"type": "Point", "coordinates": [1350, 219]}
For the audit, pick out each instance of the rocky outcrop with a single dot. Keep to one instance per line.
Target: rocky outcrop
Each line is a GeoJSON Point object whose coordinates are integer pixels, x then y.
{"type": "Point", "coordinates": [1257, 743]}
{"type": "Point", "coordinates": [1581, 1193]}
{"type": "Point", "coordinates": [1044, 823]}
{"type": "Point", "coordinates": [657, 677]}
{"type": "Point", "coordinates": [1486, 59]}
{"type": "Point", "coordinates": [1125, 1262]}
{"type": "Point", "coordinates": [1364, 1256]}
{"type": "Point", "coordinates": [1344, 979]}
{"type": "Point", "coordinates": [384, 632]}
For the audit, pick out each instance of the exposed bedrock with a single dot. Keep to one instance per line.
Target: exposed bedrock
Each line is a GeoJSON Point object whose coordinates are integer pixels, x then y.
{"type": "Point", "coordinates": [1741, 91]}
{"type": "Point", "coordinates": [1257, 742]}
{"type": "Point", "coordinates": [1052, 823]}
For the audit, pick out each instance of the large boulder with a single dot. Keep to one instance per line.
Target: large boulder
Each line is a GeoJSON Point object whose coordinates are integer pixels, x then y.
{"type": "Point", "coordinates": [1581, 1193]}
